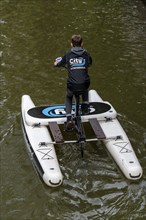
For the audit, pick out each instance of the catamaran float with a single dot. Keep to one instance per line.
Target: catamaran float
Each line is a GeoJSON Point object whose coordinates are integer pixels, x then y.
{"type": "Point", "coordinates": [104, 123]}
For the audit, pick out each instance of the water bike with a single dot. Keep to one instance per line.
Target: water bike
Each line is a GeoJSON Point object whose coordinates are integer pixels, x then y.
{"type": "Point", "coordinates": [41, 128]}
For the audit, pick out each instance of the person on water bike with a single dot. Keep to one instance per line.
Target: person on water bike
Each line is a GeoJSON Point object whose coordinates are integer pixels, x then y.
{"type": "Point", "coordinates": [77, 60]}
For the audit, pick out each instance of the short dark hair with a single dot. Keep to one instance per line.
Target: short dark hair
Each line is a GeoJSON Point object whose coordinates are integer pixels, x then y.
{"type": "Point", "coordinates": [76, 40]}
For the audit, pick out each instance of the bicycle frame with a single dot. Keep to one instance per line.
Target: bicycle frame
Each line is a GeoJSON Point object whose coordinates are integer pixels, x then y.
{"type": "Point", "coordinates": [78, 124]}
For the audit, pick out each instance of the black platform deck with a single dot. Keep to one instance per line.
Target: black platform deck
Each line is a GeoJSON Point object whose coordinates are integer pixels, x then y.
{"type": "Point", "coordinates": [58, 111]}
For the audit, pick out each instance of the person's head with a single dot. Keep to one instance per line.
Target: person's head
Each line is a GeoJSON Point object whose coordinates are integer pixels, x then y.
{"type": "Point", "coordinates": [76, 41]}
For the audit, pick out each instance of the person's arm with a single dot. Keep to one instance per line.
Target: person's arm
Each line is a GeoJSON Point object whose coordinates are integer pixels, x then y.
{"type": "Point", "coordinates": [90, 60]}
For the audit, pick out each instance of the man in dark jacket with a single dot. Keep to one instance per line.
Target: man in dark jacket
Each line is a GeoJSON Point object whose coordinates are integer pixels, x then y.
{"type": "Point", "coordinates": [77, 60]}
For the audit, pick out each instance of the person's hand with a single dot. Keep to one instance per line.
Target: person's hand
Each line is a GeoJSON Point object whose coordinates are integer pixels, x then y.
{"type": "Point", "coordinates": [55, 63]}
{"type": "Point", "coordinates": [58, 59]}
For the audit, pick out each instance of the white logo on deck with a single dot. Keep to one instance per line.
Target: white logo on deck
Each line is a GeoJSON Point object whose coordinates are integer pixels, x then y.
{"type": "Point", "coordinates": [60, 111]}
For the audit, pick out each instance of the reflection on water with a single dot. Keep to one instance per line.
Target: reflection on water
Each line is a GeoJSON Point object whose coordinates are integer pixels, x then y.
{"type": "Point", "coordinates": [33, 34]}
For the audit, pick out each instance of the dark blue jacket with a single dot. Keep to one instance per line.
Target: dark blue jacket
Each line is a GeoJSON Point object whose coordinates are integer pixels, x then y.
{"type": "Point", "coordinates": [77, 60]}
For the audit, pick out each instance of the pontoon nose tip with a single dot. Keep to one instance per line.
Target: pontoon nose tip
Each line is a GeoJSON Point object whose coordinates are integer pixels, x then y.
{"type": "Point", "coordinates": [54, 180]}
{"type": "Point", "coordinates": [136, 173]}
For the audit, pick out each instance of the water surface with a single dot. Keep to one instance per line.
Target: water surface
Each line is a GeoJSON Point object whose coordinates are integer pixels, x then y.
{"type": "Point", "coordinates": [33, 34]}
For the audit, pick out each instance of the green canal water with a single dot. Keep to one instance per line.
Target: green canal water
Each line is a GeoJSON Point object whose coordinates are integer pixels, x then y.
{"type": "Point", "coordinates": [33, 34]}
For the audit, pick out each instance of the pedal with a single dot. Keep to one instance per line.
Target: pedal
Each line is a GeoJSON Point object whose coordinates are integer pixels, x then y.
{"type": "Point", "coordinates": [85, 109]}
{"type": "Point", "coordinates": [66, 129]}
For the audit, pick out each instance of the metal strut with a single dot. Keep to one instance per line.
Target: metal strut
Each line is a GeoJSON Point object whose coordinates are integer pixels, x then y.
{"type": "Point", "coordinates": [76, 141]}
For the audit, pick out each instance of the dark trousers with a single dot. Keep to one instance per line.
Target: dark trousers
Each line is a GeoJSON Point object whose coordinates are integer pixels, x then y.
{"type": "Point", "coordinates": [69, 97]}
